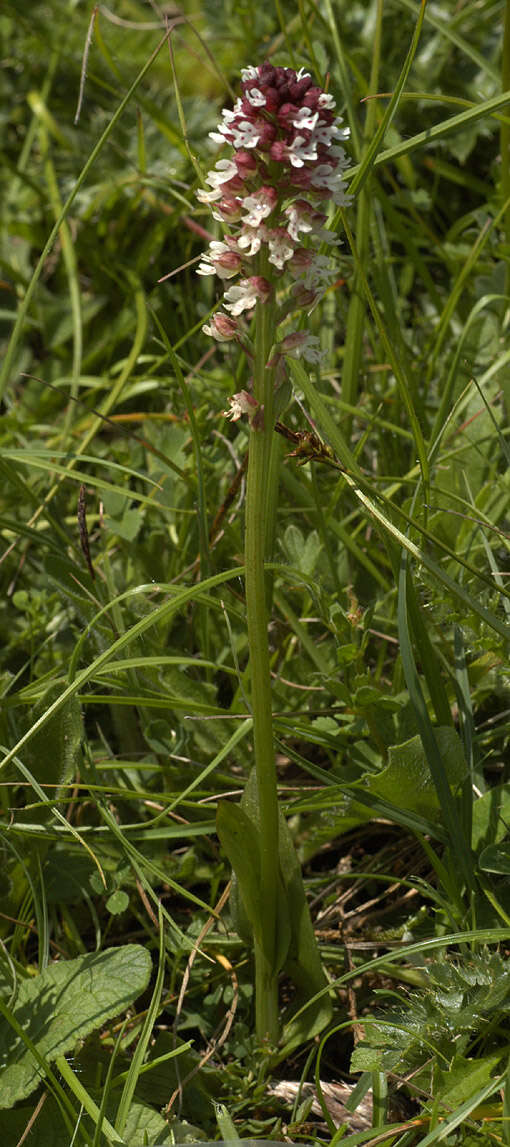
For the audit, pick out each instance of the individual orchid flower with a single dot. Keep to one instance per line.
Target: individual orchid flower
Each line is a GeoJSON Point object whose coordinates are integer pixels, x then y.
{"type": "Point", "coordinates": [241, 403]}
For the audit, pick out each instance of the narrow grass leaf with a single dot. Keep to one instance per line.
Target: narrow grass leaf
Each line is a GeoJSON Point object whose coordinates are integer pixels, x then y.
{"type": "Point", "coordinates": [458, 842]}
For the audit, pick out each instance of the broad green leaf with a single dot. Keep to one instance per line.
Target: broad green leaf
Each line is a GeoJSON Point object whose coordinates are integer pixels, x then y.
{"type": "Point", "coordinates": [144, 1125]}
{"type": "Point", "coordinates": [302, 554]}
{"type": "Point", "coordinates": [239, 838]}
{"type": "Point", "coordinates": [249, 804]}
{"type": "Point", "coordinates": [491, 816]}
{"type": "Point", "coordinates": [117, 902]}
{"type": "Point", "coordinates": [54, 751]}
{"type": "Point", "coordinates": [407, 780]}
{"type": "Point", "coordinates": [126, 526]}
{"type": "Point", "coordinates": [464, 1077]}
{"type": "Point", "coordinates": [366, 1058]}
{"type": "Point", "coordinates": [297, 950]}
{"type": "Point", "coordinates": [303, 963]}
{"type": "Point", "coordinates": [495, 858]}
{"type": "Point", "coordinates": [67, 872]}
{"type": "Point", "coordinates": [63, 1005]}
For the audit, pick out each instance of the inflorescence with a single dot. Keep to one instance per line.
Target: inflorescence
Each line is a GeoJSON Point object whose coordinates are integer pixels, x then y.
{"type": "Point", "coordinates": [287, 164]}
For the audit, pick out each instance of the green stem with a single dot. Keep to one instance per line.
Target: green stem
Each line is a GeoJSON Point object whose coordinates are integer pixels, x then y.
{"type": "Point", "coordinates": [266, 980]}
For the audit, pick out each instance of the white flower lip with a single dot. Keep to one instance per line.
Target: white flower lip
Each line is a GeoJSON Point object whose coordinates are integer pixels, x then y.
{"type": "Point", "coordinates": [281, 249]}
{"type": "Point", "coordinates": [305, 119]}
{"type": "Point", "coordinates": [256, 98]}
{"type": "Point", "coordinates": [240, 403]}
{"type": "Point", "coordinates": [250, 241]}
{"type": "Point", "coordinates": [241, 297]}
{"type": "Point", "coordinates": [225, 169]}
{"type": "Point", "coordinates": [259, 207]}
{"type": "Point", "coordinates": [301, 150]}
{"type": "Point", "coordinates": [208, 196]}
{"type": "Point", "coordinates": [245, 135]}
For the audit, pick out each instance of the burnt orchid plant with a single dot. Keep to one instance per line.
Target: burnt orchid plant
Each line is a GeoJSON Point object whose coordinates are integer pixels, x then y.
{"type": "Point", "coordinates": [286, 165]}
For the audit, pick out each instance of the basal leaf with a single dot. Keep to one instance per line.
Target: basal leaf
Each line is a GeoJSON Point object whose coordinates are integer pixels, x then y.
{"type": "Point", "coordinates": [62, 1005]}
{"type": "Point", "coordinates": [303, 963]}
{"type": "Point", "coordinates": [239, 838]}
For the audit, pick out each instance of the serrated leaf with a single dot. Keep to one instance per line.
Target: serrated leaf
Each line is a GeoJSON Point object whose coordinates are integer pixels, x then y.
{"type": "Point", "coordinates": [64, 1004]}
{"type": "Point", "coordinates": [407, 780]}
{"type": "Point", "coordinates": [464, 1078]}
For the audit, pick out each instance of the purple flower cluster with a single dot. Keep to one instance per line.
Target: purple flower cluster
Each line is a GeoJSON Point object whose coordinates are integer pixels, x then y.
{"type": "Point", "coordinates": [287, 164]}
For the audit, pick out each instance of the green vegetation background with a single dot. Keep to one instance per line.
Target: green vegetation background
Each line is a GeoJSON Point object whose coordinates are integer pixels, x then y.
{"type": "Point", "coordinates": [126, 993]}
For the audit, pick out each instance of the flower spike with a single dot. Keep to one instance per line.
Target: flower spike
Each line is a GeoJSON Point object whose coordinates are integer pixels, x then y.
{"type": "Point", "coordinates": [287, 162]}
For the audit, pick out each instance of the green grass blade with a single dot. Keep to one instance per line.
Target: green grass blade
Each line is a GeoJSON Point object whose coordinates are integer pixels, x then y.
{"type": "Point", "coordinates": [144, 1037]}
{"type": "Point", "coordinates": [459, 844]}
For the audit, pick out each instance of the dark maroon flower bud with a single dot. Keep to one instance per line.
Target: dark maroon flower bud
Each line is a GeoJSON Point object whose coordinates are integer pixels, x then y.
{"type": "Point", "coordinates": [272, 98]}
{"type": "Point", "coordinates": [297, 90]}
{"type": "Point", "coordinates": [311, 98]}
{"type": "Point", "coordinates": [303, 296]}
{"type": "Point", "coordinates": [301, 179]}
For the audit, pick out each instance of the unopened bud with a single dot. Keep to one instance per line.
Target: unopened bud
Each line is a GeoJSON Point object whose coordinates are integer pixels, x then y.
{"type": "Point", "coordinates": [221, 327]}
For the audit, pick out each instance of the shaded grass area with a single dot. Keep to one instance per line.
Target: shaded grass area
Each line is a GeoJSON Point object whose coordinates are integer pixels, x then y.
{"type": "Point", "coordinates": [127, 1013]}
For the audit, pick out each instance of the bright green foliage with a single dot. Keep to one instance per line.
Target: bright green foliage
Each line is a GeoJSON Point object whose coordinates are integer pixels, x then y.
{"type": "Point", "coordinates": [407, 781]}
{"type": "Point", "coordinates": [53, 1011]}
{"type": "Point", "coordinates": [448, 1017]}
